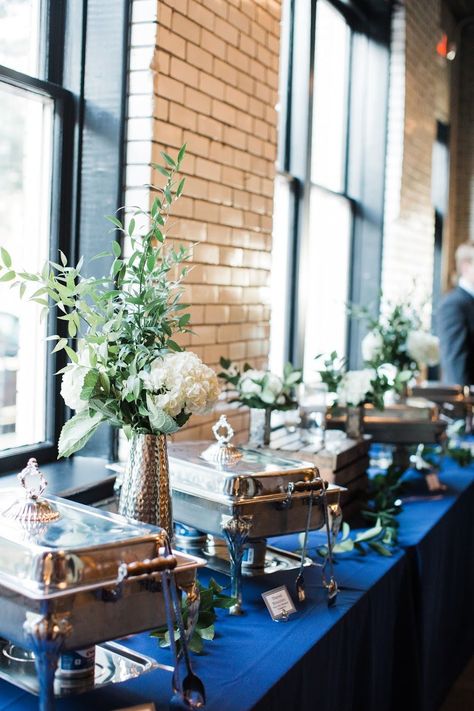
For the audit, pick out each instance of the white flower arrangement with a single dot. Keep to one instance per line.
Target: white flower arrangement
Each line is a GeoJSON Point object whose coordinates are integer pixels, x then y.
{"type": "Point", "coordinates": [423, 347]}
{"type": "Point", "coordinates": [261, 388]}
{"type": "Point", "coordinates": [398, 339]}
{"type": "Point", "coordinates": [356, 387]}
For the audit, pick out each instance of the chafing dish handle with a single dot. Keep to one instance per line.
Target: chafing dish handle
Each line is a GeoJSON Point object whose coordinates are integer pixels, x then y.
{"type": "Point", "coordinates": [146, 567]}
{"type": "Point", "coordinates": [313, 485]}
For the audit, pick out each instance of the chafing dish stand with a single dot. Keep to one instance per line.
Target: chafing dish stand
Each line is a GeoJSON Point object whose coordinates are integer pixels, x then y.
{"type": "Point", "coordinates": [246, 496]}
{"type": "Point", "coordinates": [72, 577]}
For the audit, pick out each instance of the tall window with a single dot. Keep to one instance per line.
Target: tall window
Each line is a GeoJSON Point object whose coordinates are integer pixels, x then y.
{"type": "Point", "coordinates": [332, 150]}
{"type": "Point", "coordinates": [62, 99]}
{"type": "Point", "coordinates": [29, 160]}
{"type": "Point", "coordinates": [330, 223]}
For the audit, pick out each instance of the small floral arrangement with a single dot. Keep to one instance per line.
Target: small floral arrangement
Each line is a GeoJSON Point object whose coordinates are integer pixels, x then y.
{"type": "Point", "coordinates": [353, 387]}
{"type": "Point", "coordinates": [126, 369]}
{"type": "Point", "coordinates": [398, 339]}
{"type": "Point", "coordinates": [261, 388]}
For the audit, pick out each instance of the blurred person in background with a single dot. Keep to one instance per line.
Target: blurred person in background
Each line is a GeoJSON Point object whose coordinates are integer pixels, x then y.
{"type": "Point", "coordinates": [455, 321]}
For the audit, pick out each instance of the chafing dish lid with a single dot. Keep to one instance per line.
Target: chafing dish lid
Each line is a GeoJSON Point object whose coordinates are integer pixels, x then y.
{"type": "Point", "coordinates": [257, 472]}
{"type": "Point", "coordinates": [83, 547]}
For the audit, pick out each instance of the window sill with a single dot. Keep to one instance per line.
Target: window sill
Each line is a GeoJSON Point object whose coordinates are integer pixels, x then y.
{"type": "Point", "coordinates": [82, 479]}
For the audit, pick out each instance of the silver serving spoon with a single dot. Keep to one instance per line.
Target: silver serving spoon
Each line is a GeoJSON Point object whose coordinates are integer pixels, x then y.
{"type": "Point", "coordinates": [189, 693]}
{"type": "Point", "coordinates": [299, 582]}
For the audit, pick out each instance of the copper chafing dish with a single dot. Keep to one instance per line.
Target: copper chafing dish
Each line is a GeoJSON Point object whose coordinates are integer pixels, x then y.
{"type": "Point", "coordinates": [246, 496]}
{"type": "Point", "coordinates": [72, 576]}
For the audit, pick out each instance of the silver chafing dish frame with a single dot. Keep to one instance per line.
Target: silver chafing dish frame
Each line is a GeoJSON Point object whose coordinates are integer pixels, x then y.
{"type": "Point", "coordinates": [57, 599]}
{"type": "Point", "coordinates": [238, 512]}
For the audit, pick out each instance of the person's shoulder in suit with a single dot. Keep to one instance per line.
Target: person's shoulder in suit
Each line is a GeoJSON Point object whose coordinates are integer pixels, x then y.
{"type": "Point", "coordinates": [456, 296]}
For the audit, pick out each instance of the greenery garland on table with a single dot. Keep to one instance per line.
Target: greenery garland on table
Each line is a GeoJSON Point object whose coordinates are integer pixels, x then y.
{"type": "Point", "coordinates": [210, 599]}
{"type": "Point", "coordinates": [384, 505]}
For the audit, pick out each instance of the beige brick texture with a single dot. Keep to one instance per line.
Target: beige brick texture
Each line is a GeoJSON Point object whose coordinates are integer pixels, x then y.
{"type": "Point", "coordinates": [215, 87]}
{"type": "Point", "coordinates": [409, 215]}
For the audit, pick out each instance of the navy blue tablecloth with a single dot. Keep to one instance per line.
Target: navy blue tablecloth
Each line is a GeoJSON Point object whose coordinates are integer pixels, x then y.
{"type": "Point", "coordinates": [400, 632]}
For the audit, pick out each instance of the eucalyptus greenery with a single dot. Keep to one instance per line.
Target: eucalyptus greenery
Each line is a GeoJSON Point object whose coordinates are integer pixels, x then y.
{"type": "Point", "coordinates": [399, 321]}
{"type": "Point", "coordinates": [210, 599]}
{"type": "Point", "coordinates": [384, 503]}
{"type": "Point", "coordinates": [125, 323]}
{"type": "Point", "coordinates": [332, 370]}
{"type": "Point", "coordinates": [379, 539]}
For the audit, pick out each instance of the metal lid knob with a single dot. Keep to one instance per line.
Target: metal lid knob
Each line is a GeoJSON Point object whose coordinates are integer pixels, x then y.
{"type": "Point", "coordinates": [222, 452]}
{"type": "Point", "coordinates": [32, 509]}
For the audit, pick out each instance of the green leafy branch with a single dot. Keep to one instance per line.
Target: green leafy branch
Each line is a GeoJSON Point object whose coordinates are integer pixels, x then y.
{"type": "Point", "coordinates": [379, 539]}
{"type": "Point", "coordinates": [211, 598]}
{"type": "Point", "coordinates": [384, 503]}
{"type": "Point", "coordinates": [124, 319]}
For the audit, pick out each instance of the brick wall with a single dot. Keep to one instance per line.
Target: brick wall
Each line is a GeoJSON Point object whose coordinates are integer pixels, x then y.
{"type": "Point", "coordinates": [426, 88]}
{"type": "Point", "coordinates": [214, 72]}
{"type": "Point", "coordinates": [409, 215]}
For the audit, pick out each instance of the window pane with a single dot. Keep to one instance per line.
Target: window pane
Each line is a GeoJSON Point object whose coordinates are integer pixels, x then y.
{"type": "Point", "coordinates": [25, 176]}
{"type": "Point", "coordinates": [20, 35]}
{"type": "Point", "coordinates": [280, 273]}
{"type": "Point", "coordinates": [331, 63]}
{"type": "Point", "coordinates": [328, 279]}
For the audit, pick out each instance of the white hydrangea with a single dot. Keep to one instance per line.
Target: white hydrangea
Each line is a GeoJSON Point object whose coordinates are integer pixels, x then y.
{"type": "Point", "coordinates": [423, 348]}
{"type": "Point", "coordinates": [181, 382]}
{"type": "Point", "coordinates": [355, 386]}
{"type": "Point", "coordinates": [372, 346]}
{"type": "Point", "coordinates": [389, 370]}
{"type": "Point", "coordinates": [73, 381]}
{"type": "Point", "coordinates": [71, 387]}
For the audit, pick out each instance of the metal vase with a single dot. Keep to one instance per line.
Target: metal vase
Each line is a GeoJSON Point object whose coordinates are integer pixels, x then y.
{"type": "Point", "coordinates": [259, 434]}
{"type": "Point", "coordinates": [145, 494]}
{"type": "Point", "coordinates": [355, 422]}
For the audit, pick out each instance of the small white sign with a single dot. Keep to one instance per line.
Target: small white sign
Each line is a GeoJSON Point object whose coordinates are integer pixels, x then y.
{"type": "Point", "coordinates": [279, 603]}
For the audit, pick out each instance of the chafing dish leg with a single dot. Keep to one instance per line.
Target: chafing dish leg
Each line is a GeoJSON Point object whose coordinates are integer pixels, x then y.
{"type": "Point", "coordinates": [46, 634]}
{"type": "Point", "coordinates": [236, 531]}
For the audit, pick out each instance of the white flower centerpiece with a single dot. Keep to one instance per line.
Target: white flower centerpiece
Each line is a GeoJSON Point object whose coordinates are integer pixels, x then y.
{"type": "Point", "coordinates": [262, 391]}
{"type": "Point", "coordinates": [352, 389]}
{"type": "Point", "coordinates": [397, 339]}
{"type": "Point", "coordinates": [127, 368]}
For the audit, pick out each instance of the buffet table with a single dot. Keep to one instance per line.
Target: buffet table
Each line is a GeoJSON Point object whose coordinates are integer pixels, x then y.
{"type": "Point", "coordinates": [400, 633]}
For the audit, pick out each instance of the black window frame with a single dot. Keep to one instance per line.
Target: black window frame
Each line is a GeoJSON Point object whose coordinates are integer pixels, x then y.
{"type": "Point", "coordinates": [372, 19]}
{"type": "Point", "coordinates": [87, 80]}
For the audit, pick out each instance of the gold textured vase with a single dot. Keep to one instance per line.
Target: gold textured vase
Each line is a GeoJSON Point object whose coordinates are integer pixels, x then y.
{"type": "Point", "coordinates": [145, 494]}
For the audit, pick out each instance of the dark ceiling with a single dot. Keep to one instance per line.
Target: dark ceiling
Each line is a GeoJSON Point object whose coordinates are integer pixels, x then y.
{"type": "Point", "coordinates": [461, 8]}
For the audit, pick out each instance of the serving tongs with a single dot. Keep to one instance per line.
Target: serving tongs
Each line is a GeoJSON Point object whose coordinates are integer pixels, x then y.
{"type": "Point", "coordinates": [319, 487]}
{"type": "Point", "coordinates": [299, 582]}
{"type": "Point", "coordinates": [188, 691]}
{"type": "Point", "coordinates": [332, 529]}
